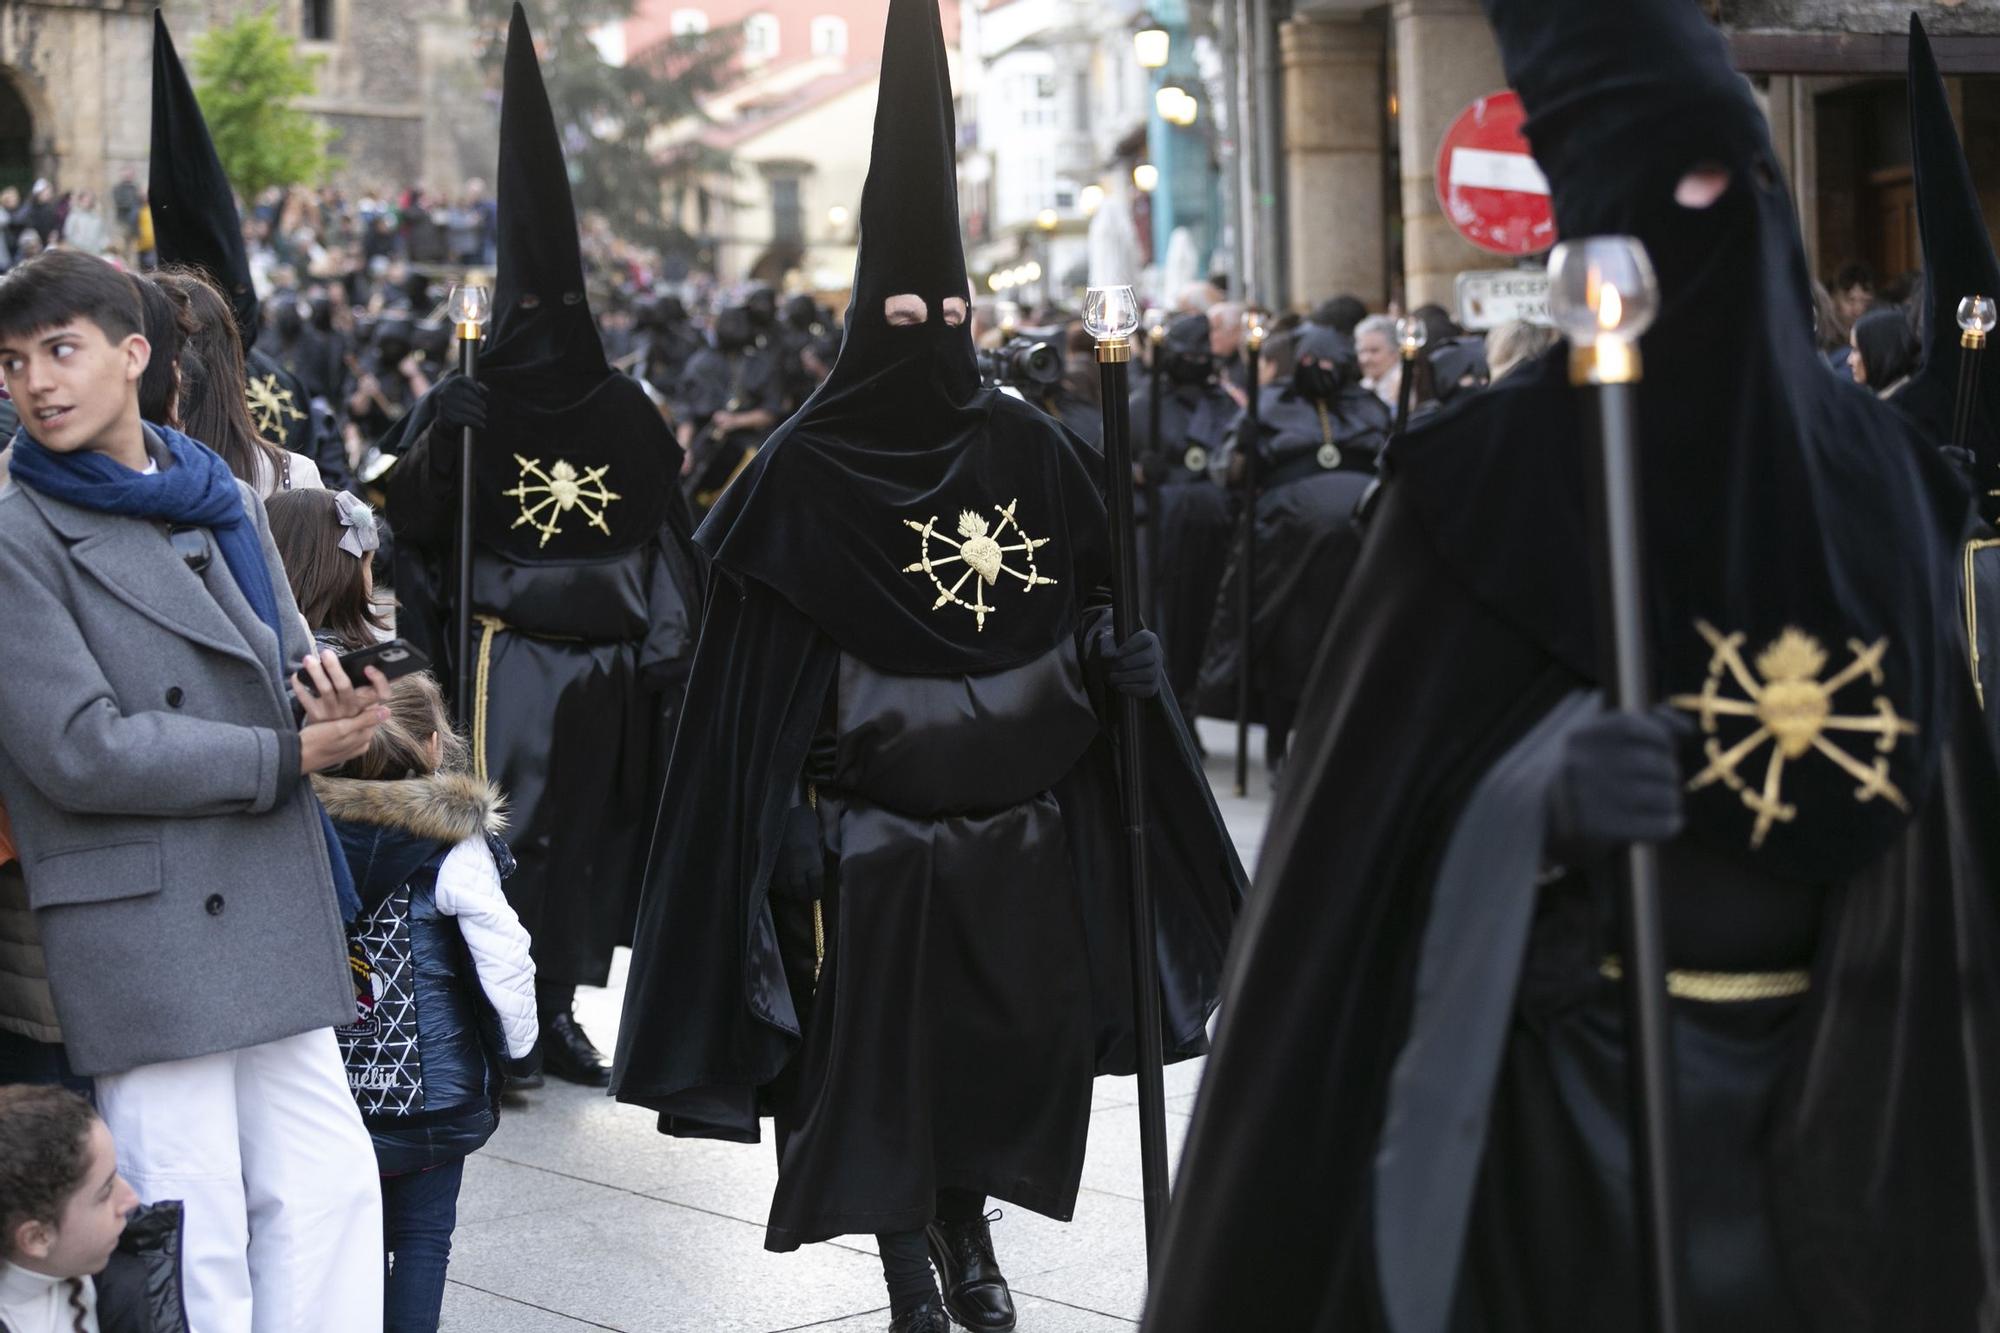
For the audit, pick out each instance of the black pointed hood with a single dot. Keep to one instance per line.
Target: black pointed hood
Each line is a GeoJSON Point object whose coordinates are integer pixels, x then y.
{"type": "Point", "coordinates": [1958, 262]}
{"type": "Point", "coordinates": [575, 463]}
{"type": "Point", "coordinates": [1777, 497]}
{"type": "Point", "coordinates": [541, 319]}
{"type": "Point", "coordinates": [195, 222]}
{"type": "Point", "coordinates": [909, 241]}
{"type": "Point", "coordinates": [830, 514]}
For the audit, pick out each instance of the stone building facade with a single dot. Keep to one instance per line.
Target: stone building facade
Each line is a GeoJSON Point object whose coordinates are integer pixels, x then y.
{"type": "Point", "coordinates": [400, 83]}
{"type": "Point", "coordinates": [1368, 89]}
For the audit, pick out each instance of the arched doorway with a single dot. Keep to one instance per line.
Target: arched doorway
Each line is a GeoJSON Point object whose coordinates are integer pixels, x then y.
{"type": "Point", "coordinates": [17, 136]}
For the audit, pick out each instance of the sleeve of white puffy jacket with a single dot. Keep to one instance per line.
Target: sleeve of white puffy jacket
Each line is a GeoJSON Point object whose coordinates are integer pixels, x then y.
{"type": "Point", "coordinates": [468, 887]}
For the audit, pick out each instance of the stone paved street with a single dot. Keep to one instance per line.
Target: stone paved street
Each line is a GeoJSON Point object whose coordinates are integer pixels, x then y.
{"type": "Point", "coordinates": [579, 1215]}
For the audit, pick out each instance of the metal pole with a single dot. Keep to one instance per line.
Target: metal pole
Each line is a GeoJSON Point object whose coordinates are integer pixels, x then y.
{"type": "Point", "coordinates": [1406, 387]}
{"type": "Point", "coordinates": [1249, 137]}
{"type": "Point", "coordinates": [1247, 445]}
{"type": "Point", "coordinates": [1971, 344]}
{"type": "Point", "coordinates": [1113, 358]}
{"type": "Point", "coordinates": [468, 366]}
{"type": "Point", "coordinates": [1614, 369]}
{"type": "Point", "coordinates": [1265, 83]}
{"type": "Point", "coordinates": [1156, 452]}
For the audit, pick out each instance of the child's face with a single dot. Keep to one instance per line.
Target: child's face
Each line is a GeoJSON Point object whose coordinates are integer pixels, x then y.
{"type": "Point", "coordinates": [92, 1219]}
{"type": "Point", "coordinates": [73, 386]}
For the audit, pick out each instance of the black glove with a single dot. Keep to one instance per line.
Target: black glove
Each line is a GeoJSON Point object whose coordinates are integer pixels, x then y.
{"type": "Point", "coordinates": [1619, 782]}
{"type": "Point", "coordinates": [1132, 667]}
{"type": "Point", "coordinates": [461, 404]}
{"type": "Point", "coordinates": [1963, 461]}
{"type": "Point", "coordinates": [801, 863]}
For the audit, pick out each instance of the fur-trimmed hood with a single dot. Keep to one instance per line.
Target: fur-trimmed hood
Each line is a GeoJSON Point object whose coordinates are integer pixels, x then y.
{"type": "Point", "coordinates": [390, 830]}
{"type": "Point", "coordinates": [443, 807]}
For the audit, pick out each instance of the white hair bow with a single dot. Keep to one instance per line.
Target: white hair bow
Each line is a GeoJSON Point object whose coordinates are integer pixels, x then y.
{"type": "Point", "coordinates": [361, 536]}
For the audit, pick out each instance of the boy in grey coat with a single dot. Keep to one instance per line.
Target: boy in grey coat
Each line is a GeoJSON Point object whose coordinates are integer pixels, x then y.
{"type": "Point", "coordinates": [174, 856]}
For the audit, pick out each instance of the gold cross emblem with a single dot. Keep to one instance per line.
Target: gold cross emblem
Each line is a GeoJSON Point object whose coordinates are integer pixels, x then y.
{"type": "Point", "coordinates": [546, 495]}
{"type": "Point", "coordinates": [980, 550]}
{"type": "Point", "coordinates": [1793, 710]}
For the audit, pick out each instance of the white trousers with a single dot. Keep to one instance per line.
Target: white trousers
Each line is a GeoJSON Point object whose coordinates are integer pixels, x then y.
{"type": "Point", "coordinates": [265, 1148]}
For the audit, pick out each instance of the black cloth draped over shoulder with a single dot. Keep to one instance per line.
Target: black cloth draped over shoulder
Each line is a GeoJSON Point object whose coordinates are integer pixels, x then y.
{"type": "Point", "coordinates": [1776, 497]}
{"type": "Point", "coordinates": [1800, 549]}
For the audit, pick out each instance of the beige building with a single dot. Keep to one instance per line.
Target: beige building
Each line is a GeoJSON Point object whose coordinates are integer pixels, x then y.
{"type": "Point", "coordinates": [1367, 91]}
{"type": "Point", "coordinates": [399, 82]}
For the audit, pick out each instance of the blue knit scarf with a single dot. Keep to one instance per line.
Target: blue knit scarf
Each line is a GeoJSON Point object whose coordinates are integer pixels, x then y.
{"type": "Point", "coordinates": [199, 490]}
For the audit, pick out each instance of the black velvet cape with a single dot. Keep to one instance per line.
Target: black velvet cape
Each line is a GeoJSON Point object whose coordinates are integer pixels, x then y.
{"type": "Point", "coordinates": [1882, 1163]}
{"type": "Point", "coordinates": [1774, 497]}
{"type": "Point", "coordinates": [709, 1022]}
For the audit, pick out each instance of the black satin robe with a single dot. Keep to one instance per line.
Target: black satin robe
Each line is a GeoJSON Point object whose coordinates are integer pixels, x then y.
{"type": "Point", "coordinates": [978, 914]}
{"type": "Point", "coordinates": [577, 693]}
{"type": "Point", "coordinates": [1835, 1157]}
{"type": "Point", "coordinates": [948, 1042]}
{"type": "Point", "coordinates": [1183, 554]}
{"type": "Point", "coordinates": [1307, 543]}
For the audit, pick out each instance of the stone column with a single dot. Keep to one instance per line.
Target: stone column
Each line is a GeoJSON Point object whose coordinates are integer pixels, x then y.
{"type": "Point", "coordinates": [1445, 57]}
{"type": "Point", "coordinates": [1333, 119]}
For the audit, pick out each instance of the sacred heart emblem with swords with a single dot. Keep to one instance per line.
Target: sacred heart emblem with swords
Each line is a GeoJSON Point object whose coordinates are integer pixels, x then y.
{"type": "Point", "coordinates": [547, 495]}
{"type": "Point", "coordinates": [1792, 710]}
{"type": "Point", "coordinates": [982, 549]}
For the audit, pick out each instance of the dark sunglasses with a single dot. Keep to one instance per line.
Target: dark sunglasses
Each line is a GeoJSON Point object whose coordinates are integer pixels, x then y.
{"type": "Point", "coordinates": [191, 545]}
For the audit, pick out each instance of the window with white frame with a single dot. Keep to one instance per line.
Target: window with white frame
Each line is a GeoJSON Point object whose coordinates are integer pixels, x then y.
{"type": "Point", "coordinates": [687, 22]}
{"type": "Point", "coordinates": [760, 37]}
{"type": "Point", "coordinates": [829, 36]}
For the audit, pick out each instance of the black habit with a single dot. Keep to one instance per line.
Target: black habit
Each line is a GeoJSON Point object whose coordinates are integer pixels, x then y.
{"type": "Point", "coordinates": [905, 581]}
{"type": "Point", "coordinates": [1408, 1127]}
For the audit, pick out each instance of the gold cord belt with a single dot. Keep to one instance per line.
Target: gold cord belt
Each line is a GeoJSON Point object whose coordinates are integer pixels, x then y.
{"type": "Point", "coordinates": [1723, 987]}
{"type": "Point", "coordinates": [488, 627]}
{"type": "Point", "coordinates": [1969, 592]}
{"type": "Point", "coordinates": [819, 919]}
{"type": "Point", "coordinates": [482, 671]}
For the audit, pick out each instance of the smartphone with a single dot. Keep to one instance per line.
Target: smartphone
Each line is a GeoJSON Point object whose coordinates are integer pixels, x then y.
{"type": "Point", "coordinates": [394, 659]}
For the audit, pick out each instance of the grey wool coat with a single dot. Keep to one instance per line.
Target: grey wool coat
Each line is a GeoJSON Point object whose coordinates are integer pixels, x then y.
{"type": "Point", "coordinates": [150, 762]}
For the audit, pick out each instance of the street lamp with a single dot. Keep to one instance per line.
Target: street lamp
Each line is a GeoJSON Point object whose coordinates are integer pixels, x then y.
{"type": "Point", "coordinates": [1176, 105]}
{"type": "Point", "coordinates": [1146, 176]}
{"type": "Point", "coordinates": [1089, 199]}
{"type": "Point", "coordinates": [1151, 43]}
{"type": "Point", "coordinates": [836, 217]}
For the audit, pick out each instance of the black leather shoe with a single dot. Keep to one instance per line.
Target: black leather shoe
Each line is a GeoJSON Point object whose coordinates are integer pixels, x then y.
{"type": "Point", "coordinates": [926, 1318]}
{"type": "Point", "coordinates": [975, 1292]}
{"type": "Point", "coordinates": [568, 1054]}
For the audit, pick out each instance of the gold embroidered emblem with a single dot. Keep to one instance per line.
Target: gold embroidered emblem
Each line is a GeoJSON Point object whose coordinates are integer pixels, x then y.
{"type": "Point", "coordinates": [983, 555]}
{"type": "Point", "coordinates": [545, 496]}
{"type": "Point", "coordinates": [1794, 711]}
{"type": "Point", "coordinates": [270, 403]}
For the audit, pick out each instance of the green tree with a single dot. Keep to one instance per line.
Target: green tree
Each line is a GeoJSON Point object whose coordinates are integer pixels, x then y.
{"type": "Point", "coordinates": [626, 127]}
{"type": "Point", "coordinates": [246, 75]}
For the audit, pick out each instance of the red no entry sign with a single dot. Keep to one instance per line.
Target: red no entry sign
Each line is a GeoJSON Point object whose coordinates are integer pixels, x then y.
{"type": "Point", "coordinates": [1489, 187]}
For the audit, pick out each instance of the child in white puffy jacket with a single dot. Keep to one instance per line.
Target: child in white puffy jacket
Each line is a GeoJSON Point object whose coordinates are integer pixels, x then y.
{"type": "Point", "coordinates": [445, 987]}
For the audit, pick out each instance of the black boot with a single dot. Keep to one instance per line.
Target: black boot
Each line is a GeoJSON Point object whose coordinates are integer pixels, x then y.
{"type": "Point", "coordinates": [926, 1318]}
{"type": "Point", "coordinates": [974, 1289]}
{"type": "Point", "coordinates": [568, 1054]}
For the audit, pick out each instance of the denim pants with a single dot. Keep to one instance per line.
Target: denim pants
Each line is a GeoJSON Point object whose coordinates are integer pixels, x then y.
{"type": "Point", "coordinates": [419, 1211]}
